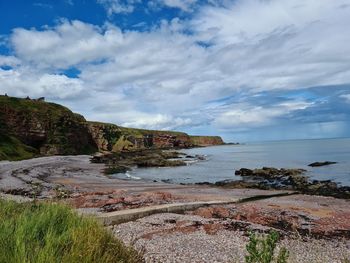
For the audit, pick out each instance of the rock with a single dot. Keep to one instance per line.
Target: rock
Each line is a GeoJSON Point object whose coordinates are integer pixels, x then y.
{"type": "Point", "coordinates": [212, 212]}
{"type": "Point", "coordinates": [317, 164]}
{"type": "Point", "coordinates": [206, 140]}
{"type": "Point", "coordinates": [123, 161]}
{"type": "Point", "coordinates": [200, 157]}
{"type": "Point", "coordinates": [285, 179]}
{"type": "Point", "coordinates": [49, 128]}
{"type": "Point", "coordinates": [52, 129]}
{"type": "Point", "coordinates": [244, 172]}
{"type": "Point", "coordinates": [115, 169]}
{"type": "Point", "coordinates": [268, 172]}
{"type": "Point", "coordinates": [111, 137]}
{"type": "Point", "coordinates": [159, 162]}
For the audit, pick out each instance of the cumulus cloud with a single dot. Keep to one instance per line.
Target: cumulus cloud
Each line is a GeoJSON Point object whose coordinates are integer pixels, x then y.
{"type": "Point", "coordinates": [185, 73]}
{"type": "Point", "coordinates": [67, 44]}
{"type": "Point", "coordinates": [244, 116]}
{"type": "Point", "coordinates": [24, 83]}
{"type": "Point", "coordinates": [184, 5]}
{"type": "Point", "coordinates": [10, 61]}
{"type": "Point", "coordinates": [119, 6]}
{"type": "Point", "coordinates": [346, 97]}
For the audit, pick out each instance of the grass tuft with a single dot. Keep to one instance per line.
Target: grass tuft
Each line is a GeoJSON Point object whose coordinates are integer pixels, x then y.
{"type": "Point", "coordinates": [262, 249]}
{"type": "Point", "coordinates": [41, 233]}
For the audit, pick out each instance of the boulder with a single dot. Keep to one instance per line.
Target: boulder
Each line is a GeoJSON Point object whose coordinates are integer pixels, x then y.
{"type": "Point", "coordinates": [318, 164]}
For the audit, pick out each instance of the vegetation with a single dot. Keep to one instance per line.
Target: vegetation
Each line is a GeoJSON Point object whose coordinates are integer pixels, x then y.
{"type": "Point", "coordinates": [13, 149]}
{"type": "Point", "coordinates": [262, 249]}
{"type": "Point", "coordinates": [206, 140]}
{"type": "Point", "coordinates": [138, 133]}
{"type": "Point", "coordinates": [41, 233]}
{"type": "Point", "coordinates": [48, 127]}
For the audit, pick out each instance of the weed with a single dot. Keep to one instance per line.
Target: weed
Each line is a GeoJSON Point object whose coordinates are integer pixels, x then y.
{"type": "Point", "coordinates": [262, 249]}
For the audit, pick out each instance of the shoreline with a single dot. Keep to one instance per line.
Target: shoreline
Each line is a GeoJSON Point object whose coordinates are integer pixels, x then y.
{"type": "Point", "coordinates": [307, 224]}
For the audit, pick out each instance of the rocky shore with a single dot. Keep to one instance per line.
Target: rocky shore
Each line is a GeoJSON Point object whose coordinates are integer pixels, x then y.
{"type": "Point", "coordinates": [284, 179]}
{"type": "Point", "coordinates": [122, 162]}
{"type": "Point", "coordinates": [313, 228]}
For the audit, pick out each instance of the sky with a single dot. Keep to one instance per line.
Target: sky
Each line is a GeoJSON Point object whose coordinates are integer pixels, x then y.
{"type": "Point", "coordinates": [247, 70]}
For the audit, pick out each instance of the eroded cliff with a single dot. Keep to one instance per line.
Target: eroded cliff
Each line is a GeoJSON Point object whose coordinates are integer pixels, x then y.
{"type": "Point", "coordinates": [30, 127]}
{"type": "Point", "coordinates": [110, 137]}
{"type": "Point", "coordinates": [47, 128]}
{"type": "Point", "coordinates": [206, 140]}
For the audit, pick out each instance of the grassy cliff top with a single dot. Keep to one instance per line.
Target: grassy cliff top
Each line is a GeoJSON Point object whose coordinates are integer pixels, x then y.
{"type": "Point", "coordinates": [34, 106]}
{"type": "Point", "coordinates": [136, 131]}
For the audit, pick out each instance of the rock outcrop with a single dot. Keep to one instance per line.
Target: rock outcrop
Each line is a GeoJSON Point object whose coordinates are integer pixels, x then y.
{"type": "Point", "coordinates": [318, 164]}
{"type": "Point", "coordinates": [110, 137]}
{"type": "Point", "coordinates": [47, 127]}
{"type": "Point", "coordinates": [30, 127]}
{"type": "Point", "coordinates": [203, 141]}
{"type": "Point", "coordinates": [285, 179]}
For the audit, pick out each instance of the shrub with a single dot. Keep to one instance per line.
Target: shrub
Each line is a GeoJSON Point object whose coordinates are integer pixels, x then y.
{"type": "Point", "coordinates": [262, 249]}
{"type": "Point", "coordinates": [45, 233]}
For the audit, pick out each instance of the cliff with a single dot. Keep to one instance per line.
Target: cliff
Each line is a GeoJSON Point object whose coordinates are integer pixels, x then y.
{"type": "Point", "coordinates": [206, 140]}
{"type": "Point", "coordinates": [44, 128]}
{"type": "Point", "coordinates": [110, 137]}
{"type": "Point", "coordinates": [30, 128]}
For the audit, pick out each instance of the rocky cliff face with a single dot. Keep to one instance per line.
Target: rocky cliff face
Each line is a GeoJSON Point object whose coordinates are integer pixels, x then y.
{"type": "Point", "coordinates": [110, 137]}
{"type": "Point", "coordinates": [34, 127]}
{"type": "Point", "coordinates": [206, 140]}
{"type": "Point", "coordinates": [48, 127]}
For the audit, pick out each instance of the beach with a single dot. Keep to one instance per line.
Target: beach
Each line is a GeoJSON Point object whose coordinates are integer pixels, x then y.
{"type": "Point", "coordinates": [314, 228]}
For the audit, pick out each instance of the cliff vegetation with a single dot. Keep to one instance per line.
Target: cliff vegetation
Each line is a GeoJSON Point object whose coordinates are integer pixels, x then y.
{"type": "Point", "coordinates": [33, 127]}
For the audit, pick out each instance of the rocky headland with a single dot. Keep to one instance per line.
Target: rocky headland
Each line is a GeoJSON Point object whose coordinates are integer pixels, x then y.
{"type": "Point", "coordinates": [313, 228]}
{"type": "Point", "coordinates": [32, 127]}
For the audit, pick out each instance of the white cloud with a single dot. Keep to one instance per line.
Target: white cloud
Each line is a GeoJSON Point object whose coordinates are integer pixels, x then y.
{"type": "Point", "coordinates": [247, 116]}
{"type": "Point", "coordinates": [165, 78]}
{"type": "Point", "coordinates": [119, 6]}
{"type": "Point", "coordinates": [155, 121]}
{"type": "Point", "coordinates": [10, 61]}
{"type": "Point", "coordinates": [346, 97]}
{"type": "Point", "coordinates": [26, 83]}
{"type": "Point", "coordinates": [184, 5]}
{"type": "Point", "coordinates": [65, 45]}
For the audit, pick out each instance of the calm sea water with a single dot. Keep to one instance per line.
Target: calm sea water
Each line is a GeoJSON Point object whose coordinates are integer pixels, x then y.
{"type": "Point", "coordinates": [222, 161]}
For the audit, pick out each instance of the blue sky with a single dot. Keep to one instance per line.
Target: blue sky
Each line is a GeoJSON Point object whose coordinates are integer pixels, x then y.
{"type": "Point", "coordinates": [247, 70]}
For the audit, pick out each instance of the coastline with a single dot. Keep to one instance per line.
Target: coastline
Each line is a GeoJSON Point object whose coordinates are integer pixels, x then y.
{"type": "Point", "coordinates": [320, 221]}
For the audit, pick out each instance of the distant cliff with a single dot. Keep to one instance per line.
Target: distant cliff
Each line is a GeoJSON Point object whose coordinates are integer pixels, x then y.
{"type": "Point", "coordinates": [30, 128]}
{"type": "Point", "coordinates": [206, 140]}
{"type": "Point", "coordinates": [110, 137]}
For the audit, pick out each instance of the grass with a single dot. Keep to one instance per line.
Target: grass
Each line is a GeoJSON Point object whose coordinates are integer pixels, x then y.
{"type": "Point", "coordinates": [45, 233]}
{"type": "Point", "coordinates": [61, 130]}
{"type": "Point", "coordinates": [261, 249]}
{"type": "Point", "coordinates": [203, 140]}
{"type": "Point", "coordinates": [12, 149]}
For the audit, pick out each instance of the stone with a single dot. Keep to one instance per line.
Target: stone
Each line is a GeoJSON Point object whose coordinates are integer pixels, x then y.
{"type": "Point", "coordinates": [318, 164]}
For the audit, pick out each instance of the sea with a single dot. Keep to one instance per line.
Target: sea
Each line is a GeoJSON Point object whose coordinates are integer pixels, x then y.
{"type": "Point", "coordinates": [222, 161]}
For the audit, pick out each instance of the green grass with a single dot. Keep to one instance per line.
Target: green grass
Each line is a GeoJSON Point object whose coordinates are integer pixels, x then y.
{"type": "Point", "coordinates": [13, 150]}
{"type": "Point", "coordinates": [64, 131]}
{"type": "Point", "coordinates": [261, 249]}
{"type": "Point", "coordinates": [138, 133]}
{"type": "Point", "coordinates": [203, 140]}
{"type": "Point", "coordinates": [45, 233]}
